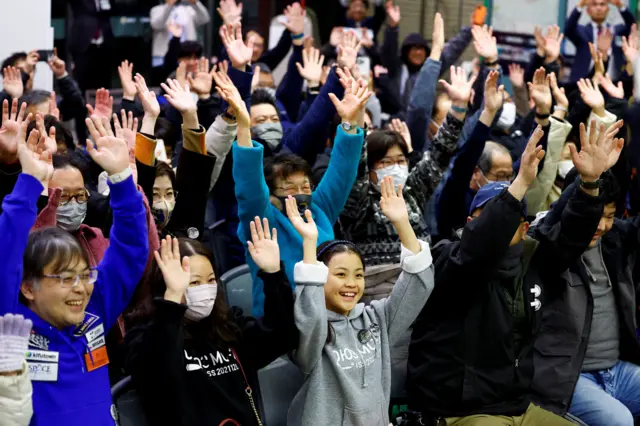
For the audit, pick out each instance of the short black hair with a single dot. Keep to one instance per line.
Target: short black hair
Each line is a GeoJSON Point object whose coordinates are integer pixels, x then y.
{"type": "Point", "coordinates": [63, 134]}
{"type": "Point", "coordinates": [366, 3]}
{"type": "Point", "coordinates": [190, 48]}
{"type": "Point", "coordinates": [380, 141]}
{"type": "Point", "coordinates": [12, 60]}
{"type": "Point", "coordinates": [282, 166]}
{"type": "Point", "coordinates": [610, 188]}
{"type": "Point", "coordinates": [261, 96]}
{"type": "Point", "coordinates": [35, 97]}
{"type": "Point", "coordinates": [486, 158]}
{"type": "Point", "coordinates": [164, 169]}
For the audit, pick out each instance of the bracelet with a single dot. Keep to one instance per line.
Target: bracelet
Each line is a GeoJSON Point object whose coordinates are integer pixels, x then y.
{"type": "Point", "coordinates": [560, 108]}
{"type": "Point", "coordinates": [228, 116]}
{"type": "Point", "coordinates": [120, 177]}
{"type": "Point", "coordinates": [459, 110]}
{"type": "Point", "coordinates": [491, 64]}
{"type": "Point", "coordinates": [590, 185]}
{"type": "Point", "coordinates": [542, 116]}
{"type": "Point", "coordinates": [297, 37]}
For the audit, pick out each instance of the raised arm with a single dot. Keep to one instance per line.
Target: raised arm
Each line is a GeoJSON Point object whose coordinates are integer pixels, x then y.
{"type": "Point", "coordinates": [201, 13]}
{"type": "Point", "coordinates": [571, 28]}
{"type": "Point", "coordinates": [159, 15]}
{"type": "Point", "coordinates": [126, 258]}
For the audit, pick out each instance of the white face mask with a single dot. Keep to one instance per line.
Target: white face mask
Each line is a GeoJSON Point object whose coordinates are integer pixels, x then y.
{"type": "Point", "coordinates": [508, 116]}
{"type": "Point", "coordinates": [564, 167]}
{"type": "Point", "coordinates": [200, 301]}
{"type": "Point", "coordinates": [397, 172]}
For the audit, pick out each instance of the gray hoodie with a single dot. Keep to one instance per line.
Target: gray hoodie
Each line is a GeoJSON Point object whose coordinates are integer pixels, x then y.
{"type": "Point", "coordinates": [348, 382]}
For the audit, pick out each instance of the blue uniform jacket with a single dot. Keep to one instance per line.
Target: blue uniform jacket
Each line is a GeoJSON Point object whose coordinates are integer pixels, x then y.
{"type": "Point", "coordinates": [326, 203]}
{"type": "Point", "coordinates": [65, 392]}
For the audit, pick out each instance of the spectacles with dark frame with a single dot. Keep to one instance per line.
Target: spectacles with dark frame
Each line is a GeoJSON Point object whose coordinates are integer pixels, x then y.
{"type": "Point", "coordinates": [80, 197]}
{"type": "Point", "coordinates": [73, 280]}
{"type": "Point", "coordinates": [295, 189]}
{"type": "Point", "coordinates": [388, 162]}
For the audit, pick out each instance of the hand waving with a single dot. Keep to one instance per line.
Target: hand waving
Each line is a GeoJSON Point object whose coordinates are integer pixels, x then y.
{"type": "Point", "coordinates": [239, 53]}
{"type": "Point", "coordinates": [593, 158]}
{"type": "Point", "coordinates": [104, 105]}
{"type": "Point", "coordinates": [393, 13]}
{"type": "Point", "coordinates": [485, 43]}
{"type": "Point", "coordinates": [176, 273]}
{"type": "Point", "coordinates": [49, 138]}
{"type": "Point", "coordinates": [630, 45]}
{"type": "Point", "coordinates": [348, 50]}
{"type": "Point", "coordinates": [552, 43]}
{"type": "Point", "coordinates": [14, 127]}
{"type": "Point", "coordinates": [128, 129]}
{"type": "Point", "coordinates": [354, 100]}
{"type": "Point", "coordinates": [312, 69]}
{"type": "Point", "coordinates": [179, 96]}
{"type": "Point", "coordinates": [493, 96]}
{"type": "Point", "coordinates": [147, 97]}
{"type": "Point", "coordinates": [308, 230]}
{"type": "Point", "coordinates": [263, 247]}
{"type": "Point", "coordinates": [591, 96]}
{"type": "Point", "coordinates": [202, 82]}
{"type": "Point", "coordinates": [34, 159]}
{"type": "Point", "coordinates": [558, 93]}
{"type": "Point", "coordinates": [401, 127]}
{"type": "Point", "coordinates": [125, 71]}
{"type": "Point", "coordinates": [12, 82]}
{"type": "Point", "coordinates": [531, 158]}
{"type": "Point", "coordinates": [460, 89]}
{"type": "Point", "coordinates": [540, 91]}
{"type": "Point", "coordinates": [230, 12]}
{"type": "Point", "coordinates": [392, 203]}
{"type": "Point", "coordinates": [613, 90]}
{"type": "Point", "coordinates": [229, 93]}
{"type": "Point", "coordinates": [294, 18]}
{"type": "Point", "coordinates": [516, 75]}
{"type": "Point", "coordinates": [110, 152]}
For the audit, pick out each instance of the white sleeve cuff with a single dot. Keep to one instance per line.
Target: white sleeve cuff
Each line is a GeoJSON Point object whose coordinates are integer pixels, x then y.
{"type": "Point", "coordinates": [122, 176]}
{"type": "Point", "coordinates": [307, 274]}
{"type": "Point", "coordinates": [416, 263]}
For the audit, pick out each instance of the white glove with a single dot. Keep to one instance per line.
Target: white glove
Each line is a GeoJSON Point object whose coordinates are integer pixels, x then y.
{"type": "Point", "coordinates": [14, 342]}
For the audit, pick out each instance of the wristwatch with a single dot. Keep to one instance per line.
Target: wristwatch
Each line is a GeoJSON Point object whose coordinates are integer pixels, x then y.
{"type": "Point", "coordinates": [590, 185]}
{"type": "Point", "coordinates": [346, 126]}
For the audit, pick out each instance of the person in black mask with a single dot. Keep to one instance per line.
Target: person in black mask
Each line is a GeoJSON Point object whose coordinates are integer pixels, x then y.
{"type": "Point", "coordinates": [471, 351]}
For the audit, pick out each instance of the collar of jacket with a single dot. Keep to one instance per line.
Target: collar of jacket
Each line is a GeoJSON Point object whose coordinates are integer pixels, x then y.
{"type": "Point", "coordinates": [355, 313]}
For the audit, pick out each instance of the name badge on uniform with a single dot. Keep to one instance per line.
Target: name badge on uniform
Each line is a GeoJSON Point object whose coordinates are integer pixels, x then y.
{"type": "Point", "coordinates": [89, 320]}
{"type": "Point", "coordinates": [95, 333]}
{"type": "Point", "coordinates": [43, 371]}
{"type": "Point", "coordinates": [95, 344]}
{"type": "Point", "coordinates": [43, 356]}
{"type": "Point", "coordinates": [96, 358]}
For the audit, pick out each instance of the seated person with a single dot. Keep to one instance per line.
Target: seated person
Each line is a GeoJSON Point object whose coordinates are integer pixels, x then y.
{"type": "Point", "coordinates": [471, 352]}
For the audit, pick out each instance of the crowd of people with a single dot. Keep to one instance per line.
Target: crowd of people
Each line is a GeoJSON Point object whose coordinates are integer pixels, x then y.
{"type": "Point", "coordinates": [426, 247]}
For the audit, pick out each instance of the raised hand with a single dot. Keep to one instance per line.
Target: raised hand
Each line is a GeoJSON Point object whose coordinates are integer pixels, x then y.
{"type": "Point", "coordinates": [552, 43]}
{"type": "Point", "coordinates": [558, 92]}
{"type": "Point", "coordinates": [485, 43]}
{"type": "Point", "coordinates": [13, 130]}
{"type": "Point", "coordinates": [391, 202]}
{"type": "Point", "coordinates": [540, 41]}
{"type": "Point", "coordinates": [230, 94]}
{"type": "Point", "coordinates": [110, 152]}
{"type": "Point", "coordinates": [437, 36]}
{"type": "Point", "coordinates": [348, 50]}
{"type": "Point", "coordinates": [593, 158]}
{"type": "Point", "coordinates": [31, 61]}
{"type": "Point", "coordinates": [591, 96]}
{"type": "Point", "coordinates": [263, 247]}
{"type": "Point", "coordinates": [354, 100]}
{"type": "Point", "coordinates": [201, 83]}
{"type": "Point", "coordinates": [239, 53]}
{"type": "Point", "coordinates": [179, 96]}
{"type": "Point", "coordinates": [460, 89]}
{"type": "Point", "coordinates": [14, 342]}
{"type": "Point", "coordinates": [230, 12]}
{"type": "Point", "coordinates": [175, 29]}
{"type": "Point", "coordinates": [604, 42]}
{"type": "Point", "coordinates": [312, 69]}
{"type": "Point", "coordinates": [531, 158]}
{"type": "Point", "coordinates": [176, 272]}
{"type": "Point", "coordinates": [103, 105]}
{"type": "Point", "coordinates": [53, 105]}
{"type": "Point", "coordinates": [125, 71]}
{"type": "Point", "coordinates": [12, 82]}
{"type": "Point", "coordinates": [610, 88]}
{"type": "Point", "coordinates": [617, 3]}
{"type": "Point", "coordinates": [401, 127]}
{"type": "Point", "coordinates": [516, 75]}
{"type": "Point", "coordinates": [307, 229]}
{"type": "Point", "coordinates": [49, 139]}
{"type": "Point", "coordinates": [493, 95]}
{"type": "Point", "coordinates": [618, 144]}
{"type": "Point", "coordinates": [147, 97]}
{"type": "Point", "coordinates": [393, 13]}
{"type": "Point", "coordinates": [128, 129]}
{"type": "Point", "coordinates": [34, 159]}
{"type": "Point", "coordinates": [540, 92]}
{"type": "Point", "coordinates": [598, 61]}
{"type": "Point", "coordinates": [57, 65]}
{"type": "Point", "coordinates": [336, 37]}
{"type": "Point", "coordinates": [294, 19]}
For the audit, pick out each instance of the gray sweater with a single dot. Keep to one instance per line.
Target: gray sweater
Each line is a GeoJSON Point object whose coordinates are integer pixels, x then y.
{"type": "Point", "coordinates": [348, 382]}
{"type": "Point", "coordinates": [603, 347]}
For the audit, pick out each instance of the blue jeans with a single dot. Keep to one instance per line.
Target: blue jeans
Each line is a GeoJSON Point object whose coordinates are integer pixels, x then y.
{"type": "Point", "coordinates": [608, 397]}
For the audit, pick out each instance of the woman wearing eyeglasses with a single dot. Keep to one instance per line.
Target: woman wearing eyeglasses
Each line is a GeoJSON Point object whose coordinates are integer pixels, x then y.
{"type": "Point", "coordinates": [50, 279]}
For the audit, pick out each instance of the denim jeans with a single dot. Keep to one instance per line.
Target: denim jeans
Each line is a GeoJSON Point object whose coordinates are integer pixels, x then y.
{"type": "Point", "coordinates": [608, 397]}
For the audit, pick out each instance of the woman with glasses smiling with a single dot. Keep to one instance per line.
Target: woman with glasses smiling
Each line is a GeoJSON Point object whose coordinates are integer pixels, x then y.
{"type": "Point", "coordinates": [49, 278]}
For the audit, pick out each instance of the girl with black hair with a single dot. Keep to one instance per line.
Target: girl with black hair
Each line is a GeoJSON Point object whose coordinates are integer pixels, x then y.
{"type": "Point", "coordinates": [193, 361]}
{"type": "Point", "coordinates": [344, 348]}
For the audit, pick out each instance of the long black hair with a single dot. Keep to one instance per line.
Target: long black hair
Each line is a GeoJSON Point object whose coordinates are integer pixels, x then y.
{"type": "Point", "coordinates": [218, 326]}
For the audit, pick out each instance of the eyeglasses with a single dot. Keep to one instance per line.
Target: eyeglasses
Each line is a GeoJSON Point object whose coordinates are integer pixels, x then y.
{"type": "Point", "coordinates": [80, 197]}
{"type": "Point", "coordinates": [169, 196]}
{"type": "Point", "coordinates": [73, 280]}
{"type": "Point", "coordinates": [295, 189]}
{"type": "Point", "coordinates": [388, 162]}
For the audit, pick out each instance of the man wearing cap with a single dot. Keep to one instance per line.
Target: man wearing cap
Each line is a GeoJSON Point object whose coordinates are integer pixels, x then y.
{"type": "Point", "coordinates": [471, 351]}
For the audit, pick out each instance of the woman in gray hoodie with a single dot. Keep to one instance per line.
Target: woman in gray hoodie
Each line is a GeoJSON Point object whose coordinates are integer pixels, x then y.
{"type": "Point", "coordinates": [344, 348]}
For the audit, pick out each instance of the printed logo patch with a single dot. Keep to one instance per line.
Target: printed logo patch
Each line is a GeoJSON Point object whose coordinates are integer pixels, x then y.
{"type": "Point", "coordinates": [43, 356]}
{"type": "Point", "coordinates": [38, 341]}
